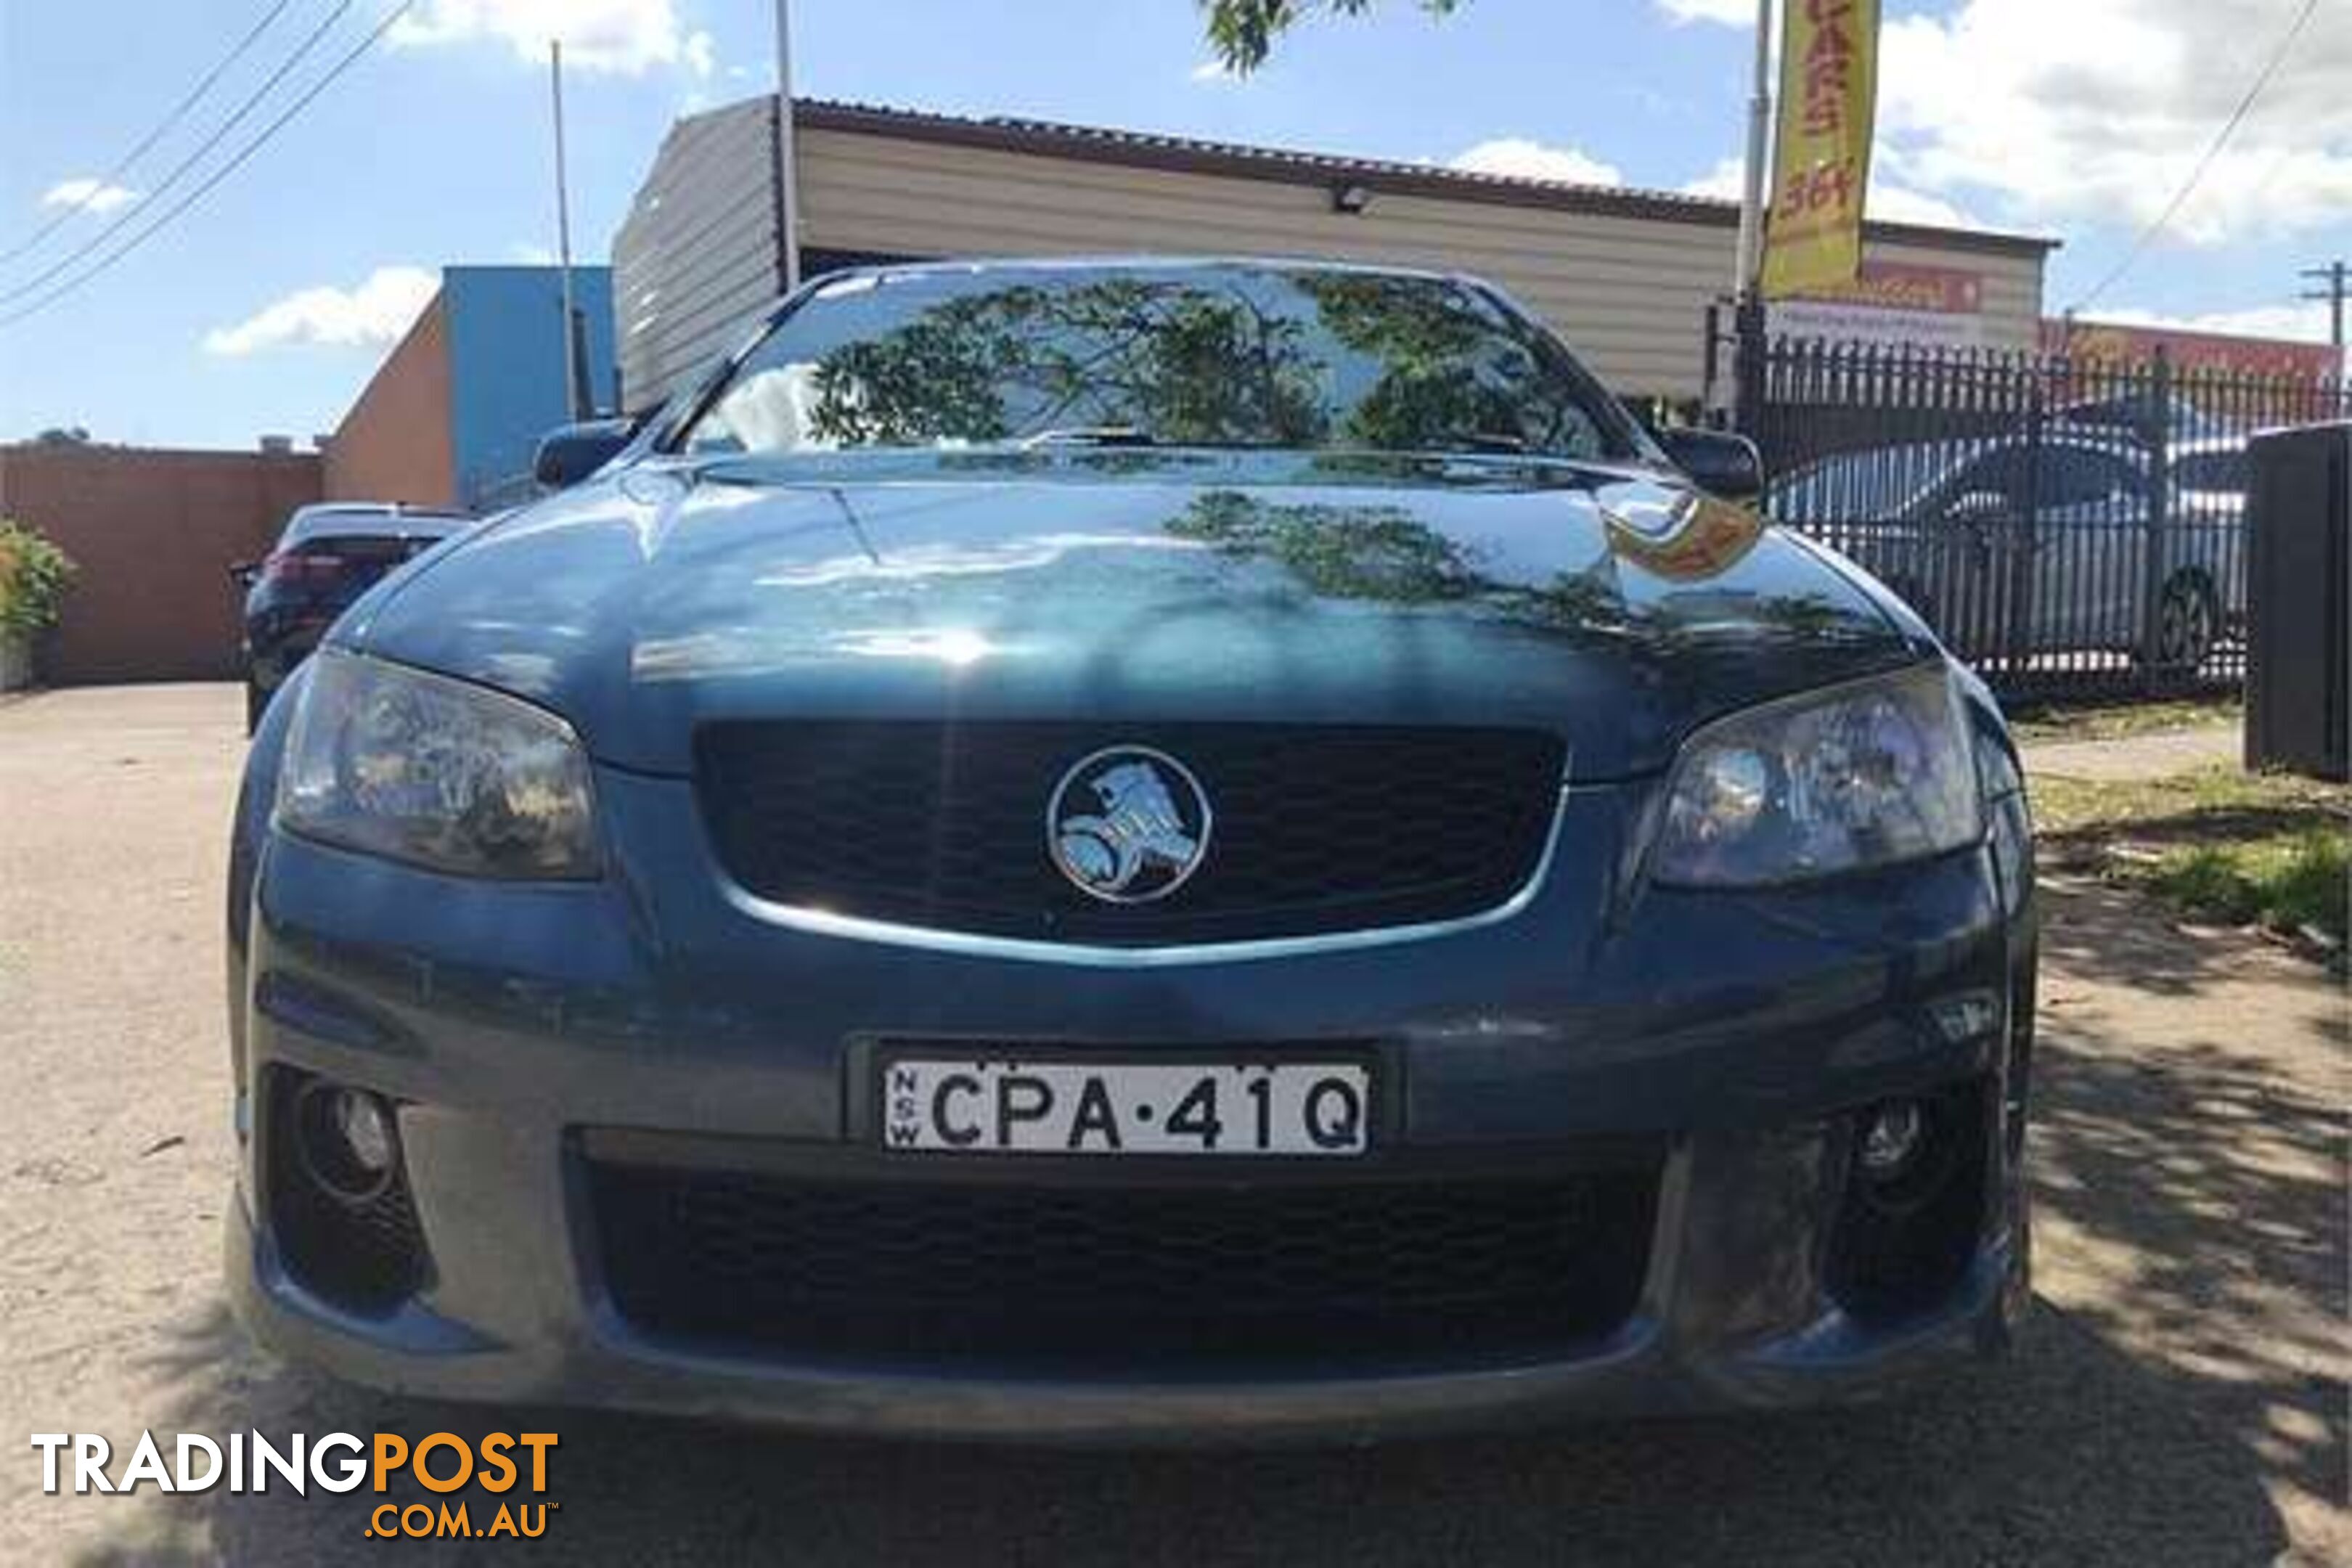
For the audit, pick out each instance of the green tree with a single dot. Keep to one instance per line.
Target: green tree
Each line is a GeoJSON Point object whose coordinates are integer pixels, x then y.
{"type": "Point", "coordinates": [1452, 376]}
{"type": "Point", "coordinates": [34, 578]}
{"type": "Point", "coordinates": [1243, 31]}
{"type": "Point", "coordinates": [1342, 552]}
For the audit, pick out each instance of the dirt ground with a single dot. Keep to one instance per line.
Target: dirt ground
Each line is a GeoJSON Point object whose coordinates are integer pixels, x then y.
{"type": "Point", "coordinates": [2180, 1396]}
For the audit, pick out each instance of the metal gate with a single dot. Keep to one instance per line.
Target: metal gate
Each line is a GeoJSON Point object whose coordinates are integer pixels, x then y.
{"type": "Point", "coordinates": [2066, 526]}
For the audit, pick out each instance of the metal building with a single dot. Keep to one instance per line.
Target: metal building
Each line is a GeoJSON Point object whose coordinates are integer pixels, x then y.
{"type": "Point", "coordinates": [1625, 275]}
{"type": "Point", "coordinates": [453, 415]}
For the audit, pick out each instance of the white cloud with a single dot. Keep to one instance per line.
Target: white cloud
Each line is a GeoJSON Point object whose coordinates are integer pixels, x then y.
{"type": "Point", "coordinates": [90, 195]}
{"type": "Point", "coordinates": [530, 252]}
{"type": "Point", "coordinates": [1214, 73]}
{"type": "Point", "coordinates": [371, 315]}
{"type": "Point", "coordinates": [626, 36]}
{"type": "Point", "coordinates": [1725, 182]}
{"type": "Point", "coordinates": [699, 52]}
{"type": "Point", "coordinates": [1731, 13]}
{"type": "Point", "coordinates": [2099, 109]}
{"type": "Point", "coordinates": [1888, 202]}
{"type": "Point", "coordinates": [2296, 323]}
{"type": "Point", "coordinates": [2095, 110]}
{"type": "Point", "coordinates": [1523, 159]}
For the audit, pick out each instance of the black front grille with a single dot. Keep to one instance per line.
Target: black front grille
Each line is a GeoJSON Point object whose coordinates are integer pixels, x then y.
{"type": "Point", "coordinates": [1126, 1280]}
{"type": "Point", "coordinates": [1317, 829]}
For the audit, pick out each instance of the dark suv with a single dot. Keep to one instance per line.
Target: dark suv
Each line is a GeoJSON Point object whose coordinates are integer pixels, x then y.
{"type": "Point", "coordinates": [329, 555]}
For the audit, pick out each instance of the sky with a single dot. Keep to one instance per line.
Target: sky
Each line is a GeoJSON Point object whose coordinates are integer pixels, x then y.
{"type": "Point", "coordinates": [265, 305]}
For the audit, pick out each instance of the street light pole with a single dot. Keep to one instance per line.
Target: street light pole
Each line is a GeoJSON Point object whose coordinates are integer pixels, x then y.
{"type": "Point", "coordinates": [788, 191]}
{"type": "Point", "coordinates": [563, 235]}
{"type": "Point", "coordinates": [1759, 141]}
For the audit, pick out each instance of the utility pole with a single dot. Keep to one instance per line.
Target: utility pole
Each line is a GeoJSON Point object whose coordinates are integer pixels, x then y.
{"type": "Point", "coordinates": [788, 185]}
{"type": "Point", "coordinates": [2335, 278]}
{"type": "Point", "coordinates": [1747, 301]}
{"type": "Point", "coordinates": [563, 235]}
{"type": "Point", "coordinates": [1759, 144]}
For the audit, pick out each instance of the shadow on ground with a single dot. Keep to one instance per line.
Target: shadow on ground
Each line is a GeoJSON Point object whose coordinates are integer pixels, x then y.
{"type": "Point", "coordinates": [2191, 1177]}
{"type": "Point", "coordinates": [2109, 935]}
{"type": "Point", "coordinates": [2189, 1380]}
{"type": "Point", "coordinates": [2070, 1452]}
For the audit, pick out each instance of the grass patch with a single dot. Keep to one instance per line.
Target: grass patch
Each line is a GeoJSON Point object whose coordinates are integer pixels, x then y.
{"type": "Point", "coordinates": [2289, 886]}
{"type": "Point", "coordinates": [2261, 849]}
{"type": "Point", "coordinates": [2115, 721]}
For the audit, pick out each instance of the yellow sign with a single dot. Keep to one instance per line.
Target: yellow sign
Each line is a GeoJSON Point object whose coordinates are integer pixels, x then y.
{"type": "Point", "coordinates": [1821, 160]}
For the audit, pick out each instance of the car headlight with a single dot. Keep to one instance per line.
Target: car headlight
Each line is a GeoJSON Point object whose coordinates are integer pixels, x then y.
{"type": "Point", "coordinates": [437, 772]}
{"type": "Point", "coordinates": [1859, 775]}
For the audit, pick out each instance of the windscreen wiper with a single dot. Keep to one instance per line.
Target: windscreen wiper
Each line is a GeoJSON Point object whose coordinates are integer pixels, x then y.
{"type": "Point", "coordinates": [1090, 435]}
{"type": "Point", "coordinates": [1489, 441]}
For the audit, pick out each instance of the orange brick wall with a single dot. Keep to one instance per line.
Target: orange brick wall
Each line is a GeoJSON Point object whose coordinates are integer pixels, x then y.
{"type": "Point", "coordinates": [393, 445]}
{"type": "Point", "coordinates": [154, 533]}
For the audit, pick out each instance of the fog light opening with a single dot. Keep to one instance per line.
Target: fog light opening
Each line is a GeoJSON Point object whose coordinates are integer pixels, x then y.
{"type": "Point", "coordinates": [1891, 1137]}
{"type": "Point", "coordinates": [1903, 1151]}
{"type": "Point", "coordinates": [348, 1140]}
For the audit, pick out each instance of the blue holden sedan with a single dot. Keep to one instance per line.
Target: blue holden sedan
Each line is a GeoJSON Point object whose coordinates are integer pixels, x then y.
{"type": "Point", "coordinates": [1125, 850]}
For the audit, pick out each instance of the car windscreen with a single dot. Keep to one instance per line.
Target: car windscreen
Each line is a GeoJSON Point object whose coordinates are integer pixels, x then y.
{"type": "Point", "coordinates": [1233, 355]}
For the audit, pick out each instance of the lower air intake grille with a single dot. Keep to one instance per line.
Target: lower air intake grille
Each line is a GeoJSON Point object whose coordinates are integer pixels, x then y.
{"type": "Point", "coordinates": [1141, 1280]}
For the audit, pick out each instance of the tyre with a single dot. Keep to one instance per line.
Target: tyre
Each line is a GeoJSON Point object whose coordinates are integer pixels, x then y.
{"type": "Point", "coordinates": [2188, 623]}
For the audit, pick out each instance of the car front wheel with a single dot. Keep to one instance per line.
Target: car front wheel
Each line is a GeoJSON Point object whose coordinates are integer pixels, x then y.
{"type": "Point", "coordinates": [2187, 623]}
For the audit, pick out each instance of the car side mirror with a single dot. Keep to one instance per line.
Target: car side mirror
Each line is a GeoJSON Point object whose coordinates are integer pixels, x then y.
{"type": "Point", "coordinates": [570, 453]}
{"type": "Point", "coordinates": [242, 573]}
{"type": "Point", "coordinates": [1723, 465]}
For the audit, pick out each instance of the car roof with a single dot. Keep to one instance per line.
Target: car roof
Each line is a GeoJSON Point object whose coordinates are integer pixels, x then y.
{"type": "Point", "coordinates": [1137, 262]}
{"type": "Point", "coordinates": [1949, 453]}
{"type": "Point", "coordinates": [1116, 262]}
{"type": "Point", "coordinates": [1900, 474]}
{"type": "Point", "coordinates": [321, 519]}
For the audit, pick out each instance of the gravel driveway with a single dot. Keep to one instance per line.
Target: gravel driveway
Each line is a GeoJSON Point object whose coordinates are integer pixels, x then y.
{"type": "Point", "coordinates": [2179, 1398]}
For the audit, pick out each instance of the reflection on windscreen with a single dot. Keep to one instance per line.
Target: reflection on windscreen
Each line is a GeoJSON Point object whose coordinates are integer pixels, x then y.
{"type": "Point", "coordinates": [1215, 356]}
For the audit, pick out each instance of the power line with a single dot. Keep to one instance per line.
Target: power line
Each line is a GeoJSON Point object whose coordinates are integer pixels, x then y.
{"type": "Point", "coordinates": [253, 145]}
{"type": "Point", "coordinates": [2212, 151]}
{"type": "Point", "coordinates": [252, 101]}
{"type": "Point", "coordinates": [179, 110]}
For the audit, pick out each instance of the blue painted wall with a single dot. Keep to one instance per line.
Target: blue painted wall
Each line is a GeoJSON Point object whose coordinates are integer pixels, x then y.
{"type": "Point", "coordinates": [505, 328]}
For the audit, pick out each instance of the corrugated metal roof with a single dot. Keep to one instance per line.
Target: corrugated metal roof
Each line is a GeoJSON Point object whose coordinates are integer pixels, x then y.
{"type": "Point", "coordinates": [1233, 159]}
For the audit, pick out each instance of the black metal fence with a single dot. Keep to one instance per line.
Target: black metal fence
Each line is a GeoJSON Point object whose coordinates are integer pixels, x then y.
{"type": "Point", "coordinates": [2066, 526]}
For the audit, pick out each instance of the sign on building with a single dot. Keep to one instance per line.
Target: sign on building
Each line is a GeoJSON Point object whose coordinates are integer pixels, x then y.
{"type": "Point", "coordinates": [2271, 359]}
{"type": "Point", "coordinates": [1890, 303]}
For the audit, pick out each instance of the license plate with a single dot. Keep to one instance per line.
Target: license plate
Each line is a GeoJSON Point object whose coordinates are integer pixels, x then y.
{"type": "Point", "coordinates": [1004, 1105]}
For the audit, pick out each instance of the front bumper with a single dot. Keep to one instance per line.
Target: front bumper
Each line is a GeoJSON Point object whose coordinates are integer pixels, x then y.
{"type": "Point", "coordinates": [1737, 1035]}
